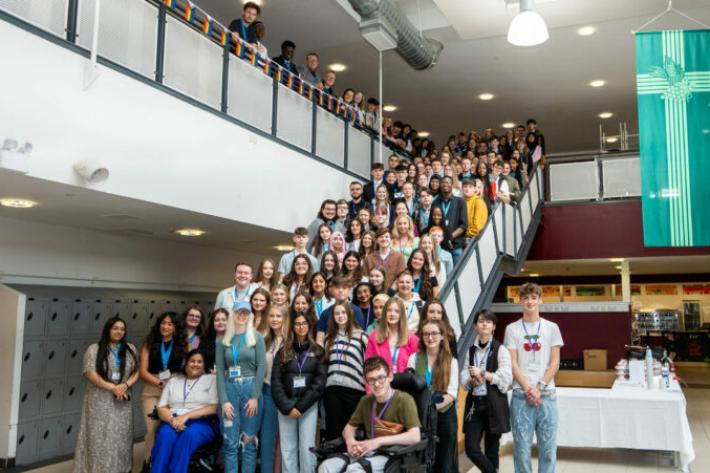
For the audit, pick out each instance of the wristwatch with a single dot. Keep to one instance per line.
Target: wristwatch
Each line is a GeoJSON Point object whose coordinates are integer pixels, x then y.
{"type": "Point", "coordinates": [542, 385]}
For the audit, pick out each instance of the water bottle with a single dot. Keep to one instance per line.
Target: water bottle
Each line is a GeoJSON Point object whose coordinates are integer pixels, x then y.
{"type": "Point", "coordinates": [666, 370]}
{"type": "Point", "coordinates": [649, 368]}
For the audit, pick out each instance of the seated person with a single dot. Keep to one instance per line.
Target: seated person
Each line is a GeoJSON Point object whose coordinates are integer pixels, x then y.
{"type": "Point", "coordinates": [184, 406]}
{"type": "Point", "coordinates": [388, 411]}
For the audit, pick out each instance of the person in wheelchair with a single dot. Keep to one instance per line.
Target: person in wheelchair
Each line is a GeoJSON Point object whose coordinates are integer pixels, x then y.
{"type": "Point", "coordinates": [185, 408]}
{"type": "Point", "coordinates": [388, 417]}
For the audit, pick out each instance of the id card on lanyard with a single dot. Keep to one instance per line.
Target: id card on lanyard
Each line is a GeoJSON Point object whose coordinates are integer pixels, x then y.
{"type": "Point", "coordinates": [394, 357]}
{"type": "Point", "coordinates": [445, 211]}
{"type": "Point", "coordinates": [116, 374]}
{"type": "Point", "coordinates": [300, 380]}
{"type": "Point", "coordinates": [235, 371]}
{"type": "Point", "coordinates": [165, 353]}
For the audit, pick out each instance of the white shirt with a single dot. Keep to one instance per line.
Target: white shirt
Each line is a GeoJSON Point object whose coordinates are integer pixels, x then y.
{"type": "Point", "coordinates": [534, 361]}
{"type": "Point", "coordinates": [226, 297]}
{"type": "Point", "coordinates": [182, 395]}
{"type": "Point", "coordinates": [501, 378]}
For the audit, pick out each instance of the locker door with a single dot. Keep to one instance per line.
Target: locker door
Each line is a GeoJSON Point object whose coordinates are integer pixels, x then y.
{"type": "Point", "coordinates": [30, 400]}
{"type": "Point", "coordinates": [55, 356]}
{"type": "Point", "coordinates": [81, 324]}
{"type": "Point", "coordinates": [58, 318]}
{"type": "Point", "coordinates": [73, 393]}
{"type": "Point", "coordinates": [52, 396]}
{"type": "Point", "coordinates": [70, 424]}
{"type": "Point", "coordinates": [27, 443]}
{"type": "Point", "coordinates": [154, 310]}
{"type": "Point", "coordinates": [138, 322]}
{"type": "Point", "coordinates": [50, 438]}
{"type": "Point", "coordinates": [35, 317]}
{"type": "Point", "coordinates": [32, 360]}
{"type": "Point", "coordinates": [75, 356]}
{"type": "Point", "coordinates": [103, 310]}
{"type": "Point", "coordinates": [122, 308]}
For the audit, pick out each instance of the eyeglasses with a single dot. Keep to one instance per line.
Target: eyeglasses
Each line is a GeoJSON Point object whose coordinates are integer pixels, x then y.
{"type": "Point", "coordinates": [300, 324]}
{"type": "Point", "coordinates": [430, 334]}
{"type": "Point", "coordinates": [377, 380]}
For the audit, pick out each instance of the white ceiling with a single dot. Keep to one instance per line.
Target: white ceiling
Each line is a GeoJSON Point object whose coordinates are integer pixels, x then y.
{"type": "Point", "coordinates": [548, 82]}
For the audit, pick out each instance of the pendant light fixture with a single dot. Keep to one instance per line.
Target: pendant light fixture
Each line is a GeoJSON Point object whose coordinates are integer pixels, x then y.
{"type": "Point", "coordinates": [528, 28]}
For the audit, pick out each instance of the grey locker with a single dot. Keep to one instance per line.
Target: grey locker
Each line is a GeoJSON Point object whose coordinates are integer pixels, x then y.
{"type": "Point", "coordinates": [35, 317]}
{"type": "Point", "coordinates": [138, 322]}
{"type": "Point", "coordinates": [70, 425]}
{"type": "Point", "coordinates": [81, 322]}
{"type": "Point", "coordinates": [52, 396]}
{"type": "Point", "coordinates": [50, 437]}
{"type": "Point", "coordinates": [103, 310]}
{"type": "Point", "coordinates": [30, 400]}
{"type": "Point", "coordinates": [169, 306]}
{"type": "Point", "coordinates": [154, 310]}
{"type": "Point", "coordinates": [58, 318]}
{"type": "Point", "coordinates": [55, 356]}
{"type": "Point", "coordinates": [74, 388]}
{"type": "Point", "coordinates": [75, 356]}
{"type": "Point", "coordinates": [32, 360]}
{"type": "Point", "coordinates": [123, 308]}
{"type": "Point", "coordinates": [27, 443]}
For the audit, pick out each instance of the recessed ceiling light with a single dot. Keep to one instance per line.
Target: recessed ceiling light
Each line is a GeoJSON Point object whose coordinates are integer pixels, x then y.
{"type": "Point", "coordinates": [284, 247]}
{"type": "Point", "coordinates": [423, 134]}
{"type": "Point", "coordinates": [605, 115]}
{"type": "Point", "coordinates": [612, 139]}
{"type": "Point", "coordinates": [17, 203]}
{"type": "Point", "coordinates": [534, 275]}
{"type": "Point", "coordinates": [617, 267]}
{"type": "Point", "coordinates": [508, 125]}
{"type": "Point", "coordinates": [486, 96]}
{"type": "Point", "coordinates": [586, 30]}
{"type": "Point", "coordinates": [258, 2]}
{"type": "Point", "coordinates": [389, 108]}
{"type": "Point", "coordinates": [598, 83]}
{"type": "Point", "coordinates": [337, 67]}
{"type": "Point", "coordinates": [616, 260]}
{"type": "Point", "coordinates": [190, 232]}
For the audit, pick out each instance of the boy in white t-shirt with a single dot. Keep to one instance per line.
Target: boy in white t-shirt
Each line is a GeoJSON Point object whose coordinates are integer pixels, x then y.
{"type": "Point", "coordinates": [534, 345]}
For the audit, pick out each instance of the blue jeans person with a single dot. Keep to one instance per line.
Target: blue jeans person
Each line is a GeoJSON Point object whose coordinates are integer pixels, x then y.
{"type": "Point", "coordinates": [297, 438]}
{"type": "Point", "coordinates": [541, 420]}
{"type": "Point", "coordinates": [269, 422]}
{"type": "Point", "coordinates": [240, 438]}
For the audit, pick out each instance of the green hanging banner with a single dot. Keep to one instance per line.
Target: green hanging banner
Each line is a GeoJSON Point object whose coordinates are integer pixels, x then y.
{"type": "Point", "coordinates": [673, 85]}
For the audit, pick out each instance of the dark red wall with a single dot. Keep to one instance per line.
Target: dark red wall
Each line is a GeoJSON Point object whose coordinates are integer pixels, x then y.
{"type": "Point", "coordinates": [581, 331]}
{"type": "Point", "coordinates": [596, 230]}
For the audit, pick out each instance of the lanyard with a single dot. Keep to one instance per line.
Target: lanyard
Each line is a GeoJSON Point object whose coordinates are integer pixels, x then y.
{"type": "Point", "coordinates": [186, 392]}
{"type": "Point", "coordinates": [480, 363]}
{"type": "Point", "coordinates": [445, 207]}
{"type": "Point", "coordinates": [237, 297]}
{"type": "Point", "coordinates": [378, 417]}
{"type": "Point", "coordinates": [532, 340]}
{"type": "Point", "coordinates": [244, 30]}
{"type": "Point", "coordinates": [412, 306]}
{"type": "Point", "coordinates": [235, 351]}
{"type": "Point", "coordinates": [418, 284]}
{"type": "Point", "coordinates": [319, 306]}
{"type": "Point", "coordinates": [165, 353]}
{"type": "Point", "coordinates": [191, 338]}
{"type": "Point", "coordinates": [384, 260]}
{"type": "Point", "coordinates": [394, 356]}
{"type": "Point", "coordinates": [369, 317]}
{"type": "Point", "coordinates": [302, 363]}
{"type": "Point", "coordinates": [339, 354]}
{"type": "Point", "coordinates": [424, 217]}
{"type": "Point", "coordinates": [428, 374]}
{"type": "Point", "coordinates": [115, 353]}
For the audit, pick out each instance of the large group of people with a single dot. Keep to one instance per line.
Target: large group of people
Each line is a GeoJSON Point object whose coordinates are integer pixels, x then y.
{"type": "Point", "coordinates": [306, 348]}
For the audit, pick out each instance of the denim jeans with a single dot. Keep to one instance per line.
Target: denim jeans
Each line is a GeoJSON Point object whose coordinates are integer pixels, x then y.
{"type": "Point", "coordinates": [297, 437]}
{"type": "Point", "coordinates": [234, 449]}
{"type": "Point", "coordinates": [269, 429]}
{"type": "Point", "coordinates": [527, 420]}
{"type": "Point", "coordinates": [456, 255]}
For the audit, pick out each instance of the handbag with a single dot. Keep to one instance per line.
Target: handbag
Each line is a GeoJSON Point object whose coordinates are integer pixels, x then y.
{"type": "Point", "coordinates": [384, 428]}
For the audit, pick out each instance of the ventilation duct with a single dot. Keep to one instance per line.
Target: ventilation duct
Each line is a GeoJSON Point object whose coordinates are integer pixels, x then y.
{"type": "Point", "coordinates": [384, 26]}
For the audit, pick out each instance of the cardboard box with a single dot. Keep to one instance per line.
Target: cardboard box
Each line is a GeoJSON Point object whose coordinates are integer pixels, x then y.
{"type": "Point", "coordinates": [585, 379]}
{"type": "Point", "coordinates": [594, 360]}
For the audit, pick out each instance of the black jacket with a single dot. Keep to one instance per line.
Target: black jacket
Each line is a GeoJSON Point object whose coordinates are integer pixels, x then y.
{"type": "Point", "coordinates": [498, 410]}
{"type": "Point", "coordinates": [315, 370]}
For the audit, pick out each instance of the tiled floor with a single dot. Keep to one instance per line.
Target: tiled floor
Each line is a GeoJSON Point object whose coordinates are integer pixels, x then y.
{"type": "Point", "coordinates": [574, 460]}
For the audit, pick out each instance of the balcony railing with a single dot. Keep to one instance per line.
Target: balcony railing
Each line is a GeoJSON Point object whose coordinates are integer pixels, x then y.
{"type": "Point", "coordinates": [180, 48]}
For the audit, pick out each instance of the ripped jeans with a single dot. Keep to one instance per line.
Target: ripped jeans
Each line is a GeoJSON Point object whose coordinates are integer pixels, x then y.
{"type": "Point", "coordinates": [241, 437]}
{"type": "Point", "coordinates": [527, 420]}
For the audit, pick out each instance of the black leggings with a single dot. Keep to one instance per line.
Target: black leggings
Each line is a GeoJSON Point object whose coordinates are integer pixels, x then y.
{"type": "Point", "coordinates": [446, 460]}
{"type": "Point", "coordinates": [474, 428]}
{"type": "Point", "coordinates": [339, 404]}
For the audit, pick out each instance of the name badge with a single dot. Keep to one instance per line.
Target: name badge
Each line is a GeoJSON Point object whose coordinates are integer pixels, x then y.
{"type": "Point", "coordinates": [299, 382]}
{"type": "Point", "coordinates": [164, 375]}
{"type": "Point", "coordinates": [115, 376]}
{"type": "Point", "coordinates": [235, 371]}
{"type": "Point", "coordinates": [228, 423]}
{"type": "Point", "coordinates": [446, 222]}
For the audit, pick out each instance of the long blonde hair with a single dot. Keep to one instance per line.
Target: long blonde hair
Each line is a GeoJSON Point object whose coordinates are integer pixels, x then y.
{"type": "Point", "coordinates": [229, 333]}
{"type": "Point", "coordinates": [383, 330]}
{"type": "Point", "coordinates": [410, 232]}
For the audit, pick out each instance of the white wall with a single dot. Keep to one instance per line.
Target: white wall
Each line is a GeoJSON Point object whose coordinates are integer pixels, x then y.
{"type": "Point", "coordinates": [12, 309]}
{"type": "Point", "coordinates": [157, 148]}
{"type": "Point", "coordinates": [39, 253]}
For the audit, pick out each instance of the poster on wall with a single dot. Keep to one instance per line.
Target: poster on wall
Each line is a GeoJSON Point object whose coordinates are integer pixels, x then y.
{"type": "Point", "coordinates": [551, 292]}
{"type": "Point", "coordinates": [635, 289]}
{"type": "Point", "coordinates": [661, 290]}
{"type": "Point", "coordinates": [590, 291]}
{"type": "Point", "coordinates": [695, 289]}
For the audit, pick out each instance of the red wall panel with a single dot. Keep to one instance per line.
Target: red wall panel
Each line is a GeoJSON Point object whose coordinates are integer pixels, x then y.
{"type": "Point", "coordinates": [597, 230]}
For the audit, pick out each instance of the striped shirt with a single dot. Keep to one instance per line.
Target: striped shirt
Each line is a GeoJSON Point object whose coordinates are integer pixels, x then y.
{"type": "Point", "coordinates": [346, 359]}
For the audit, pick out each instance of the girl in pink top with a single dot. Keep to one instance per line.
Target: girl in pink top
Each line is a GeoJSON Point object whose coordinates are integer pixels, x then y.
{"type": "Point", "coordinates": [392, 341]}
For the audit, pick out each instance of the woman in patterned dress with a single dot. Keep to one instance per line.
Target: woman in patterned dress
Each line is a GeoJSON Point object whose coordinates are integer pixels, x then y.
{"type": "Point", "coordinates": [105, 442]}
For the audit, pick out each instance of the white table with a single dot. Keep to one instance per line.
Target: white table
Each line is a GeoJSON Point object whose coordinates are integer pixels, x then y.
{"type": "Point", "coordinates": [624, 417]}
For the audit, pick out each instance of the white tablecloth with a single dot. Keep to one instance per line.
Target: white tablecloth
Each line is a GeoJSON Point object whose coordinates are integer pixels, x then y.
{"type": "Point", "coordinates": [624, 417]}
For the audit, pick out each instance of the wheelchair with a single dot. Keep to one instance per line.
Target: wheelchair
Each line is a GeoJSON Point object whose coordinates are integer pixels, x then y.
{"type": "Point", "coordinates": [416, 458]}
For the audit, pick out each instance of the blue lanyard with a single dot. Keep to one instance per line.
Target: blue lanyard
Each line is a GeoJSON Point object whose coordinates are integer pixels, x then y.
{"type": "Point", "coordinates": [411, 310]}
{"type": "Point", "coordinates": [319, 306]}
{"type": "Point", "coordinates": [428, 374]}
{"type": "Point", "coordinates": [191, 338]}
{"type": "Point", "coordinates": [236, 295]}
{"type": "Point", "coordinates": [235, 351]}
{"type": "Point", "coordinates": [244, 30]}
{"type": "Point", "coordinates": [445, 207]}
{"type": "Point", "coordinates": [302, 363]}
{"type": "Point", "coordinates": [418, 284]}
{"type": "Point", "coordinates": [424, 217]}
{"type": "Point", "coordinates": [165, 354]}
{"type": "Point", "coordinates": [115, 353]}
{"type": "Point", "coordinates": [369, 316]}
{"type": "Point", "coordinates": [394, 356]}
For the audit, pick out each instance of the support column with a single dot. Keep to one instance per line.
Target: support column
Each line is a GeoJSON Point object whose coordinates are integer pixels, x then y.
{"type": "Point", "coordinates": [625, 281]}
